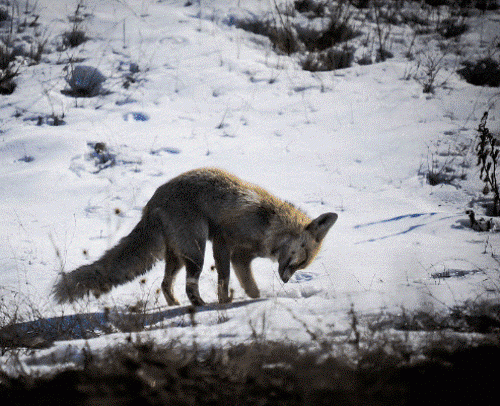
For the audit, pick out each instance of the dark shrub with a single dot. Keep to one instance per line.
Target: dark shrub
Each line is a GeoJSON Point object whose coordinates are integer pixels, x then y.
{"type": "Point", "coordinates": [437, 3]}
{"type": "Point", "coordinates": [72, 39]}
{"type": "Point", "coordinates": [7, 70]}
{"type": "Point", "coordinates": [4, 14]}
{"type": "Point", "coordinates": [285, 40]}
{"type": "Point", "coordinates": [485, 72]}
{"type": "Point", "coordinates": [85, 81]}
{"type": "Point", "coordinates": [315, 8]}
{"type": "Point", "coordinates": [337, 32]}
{"type": "Point", "coordinates": [450, 28]}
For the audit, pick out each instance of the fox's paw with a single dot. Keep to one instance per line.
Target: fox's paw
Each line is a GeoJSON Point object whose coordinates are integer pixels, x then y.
{"type": "Point", "coordinates": [170, 298]}
{"type": "Point", "coordinates": [193, 294]}
{"type": "Point", "coordinates": [225, 298]}
{"type": "Point", "coordinates": [173, 302]}
{"type": "Point", "coordinates": [253, 293]}
{"type": "Point", "coordinates": [196, 300]}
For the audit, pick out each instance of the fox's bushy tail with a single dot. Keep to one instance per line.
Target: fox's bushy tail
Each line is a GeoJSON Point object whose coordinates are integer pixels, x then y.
{"type": "Point", "coordinates": [133, 256]}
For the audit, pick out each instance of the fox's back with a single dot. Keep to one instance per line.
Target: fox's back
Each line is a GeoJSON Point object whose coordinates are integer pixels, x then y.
{"type": "Point", "coordinates": [203, 189]}
{"type": "Point", "coordinates": [225, 200]}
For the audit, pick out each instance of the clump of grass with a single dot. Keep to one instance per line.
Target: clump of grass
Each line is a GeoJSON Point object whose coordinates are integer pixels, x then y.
{"type": "Point", "coordinates": [310, 7]}
{"type": "Point", "coordinates": [84, 81]}
{"type": "Point", "coordinates": [76, 35]}
{"type": "Point", "coordinates": [74, 38]}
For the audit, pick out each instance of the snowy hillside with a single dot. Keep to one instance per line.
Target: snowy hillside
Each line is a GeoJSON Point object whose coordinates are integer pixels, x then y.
{"type": "Point", "coordinates": [185, 88]}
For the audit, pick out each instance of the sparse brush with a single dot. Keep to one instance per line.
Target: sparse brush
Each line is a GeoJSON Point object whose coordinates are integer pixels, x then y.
{"type": "Point", "coordinates": [445, 166]}
{"type": "Point", "coordinates": [488, 153]}
{"type": "Point", "coordinates": [321, 49]}
{"type": "Point", "coordinates": [76, 36]}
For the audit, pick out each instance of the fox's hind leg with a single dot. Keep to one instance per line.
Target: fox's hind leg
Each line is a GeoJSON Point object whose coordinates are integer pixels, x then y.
{"type": "Point", "coordinates": [194, 266]}
{"type": "Point", "coordinates": [172, 267]}
{"type": "Point", "coordinates": [193, 271]}
{"type": "Point", "coordinates": [241, 260]}
{"type": "Point", "coordinates": [221, 257]}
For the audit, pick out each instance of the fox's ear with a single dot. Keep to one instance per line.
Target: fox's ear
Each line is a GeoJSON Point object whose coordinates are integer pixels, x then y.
{"type": "Point", "coordinates": [320, 226]}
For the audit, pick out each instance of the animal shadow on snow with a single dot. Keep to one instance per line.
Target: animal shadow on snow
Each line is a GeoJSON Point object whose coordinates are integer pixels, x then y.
{"type": "Point", "coordinates": [43, 332]}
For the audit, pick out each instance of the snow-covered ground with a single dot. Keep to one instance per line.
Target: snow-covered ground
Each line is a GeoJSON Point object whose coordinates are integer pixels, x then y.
{"type": "Point", "coordinates": [356, 141]}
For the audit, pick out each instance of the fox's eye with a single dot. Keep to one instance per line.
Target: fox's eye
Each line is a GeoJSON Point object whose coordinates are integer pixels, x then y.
{"type": "Point", "coordinates": [303, 245]}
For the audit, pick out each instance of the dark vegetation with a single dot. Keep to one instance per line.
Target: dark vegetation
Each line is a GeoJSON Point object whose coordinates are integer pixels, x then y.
{"type": "Point", "coordinates": [84, 81]}
{"type": "Point", "coordinates": [16, 26]}
{"type": "Point", "coordinates": [379, 366]}
{"type": "Point", "coordinates": [76, 35]}
{"type": "Point", "coordinates": [448, 167]}
{"type": "Point", "coordinates": [324, 35]}
{"type": "Point", "coordinates": [484, 72]}
{"type": "Point", "coordinates": [344, 22]}
{"type": "Point", "coordinates": [488, 160]}
{"type": "Point", "coordinates": [22, 42]}
{"type": "Point", "coordinates": [322, 49]}
{"type": "Point", "coordinates": [266, 374]}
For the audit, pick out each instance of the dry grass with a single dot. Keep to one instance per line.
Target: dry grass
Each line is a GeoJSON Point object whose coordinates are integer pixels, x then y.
{"type": "Point", "coordinates": [380, 367]}
{"type": "Point", "coordinates": [265, 374]}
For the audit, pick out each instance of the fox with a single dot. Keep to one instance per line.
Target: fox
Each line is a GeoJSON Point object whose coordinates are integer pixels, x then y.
{"type": "Point", "coordinates": [242, 220]}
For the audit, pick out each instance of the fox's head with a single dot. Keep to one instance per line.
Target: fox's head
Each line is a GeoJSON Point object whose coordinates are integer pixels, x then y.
{"type": "Point", "coordinates": [297, 251]}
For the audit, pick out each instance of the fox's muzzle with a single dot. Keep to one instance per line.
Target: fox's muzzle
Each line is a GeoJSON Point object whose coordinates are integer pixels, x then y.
{"type": "Point", "coordinates": [285, 272]}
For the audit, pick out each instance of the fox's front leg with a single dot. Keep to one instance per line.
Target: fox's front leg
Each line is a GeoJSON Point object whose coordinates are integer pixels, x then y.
{"type": "Point", "coordinates": [221, 257]}
{"type": "Point", "coordinates": [241, 260]}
